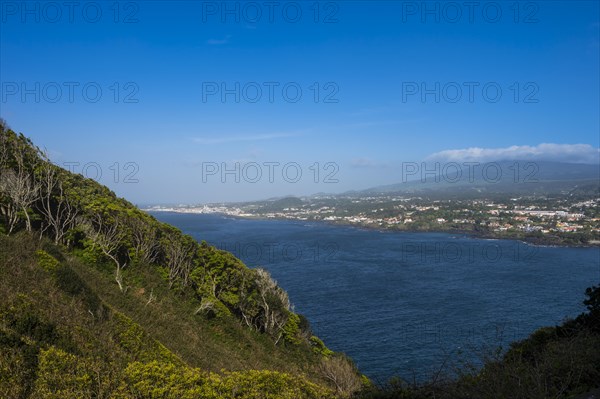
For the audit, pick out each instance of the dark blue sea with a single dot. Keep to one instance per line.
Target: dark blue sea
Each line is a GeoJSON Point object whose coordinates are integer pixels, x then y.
{"type": "Point", "coordinates": [403, 304]}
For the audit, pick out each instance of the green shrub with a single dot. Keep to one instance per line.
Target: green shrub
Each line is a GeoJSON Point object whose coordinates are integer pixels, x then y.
{"type": "Point", "coordinates": [319, 347]}
{"type": "Point", "coordinates": [156, 380]}
{"type": "Point", "coordinates": [291, 329]}
{"type": "Point", "coordinates": [135, 341]}
{"type": "Point", "coordinates": [53, 250]}
{"type": "Point", "coordinates": [46, 261]}
{"type": "Point", "coordinates": [266, 384]}
{"type": "Point", "coordinates": [62, 376]}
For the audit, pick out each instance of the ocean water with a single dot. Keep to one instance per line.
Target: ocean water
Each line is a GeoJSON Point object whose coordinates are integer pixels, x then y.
{"type": "Point", "coordinates": [403, 304]}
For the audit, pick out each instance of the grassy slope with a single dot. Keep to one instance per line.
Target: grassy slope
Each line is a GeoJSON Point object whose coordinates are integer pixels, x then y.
{"type": "Point", "coordinates": [121, 273]}
{"type": "Point", "coordinates": [78, 309]}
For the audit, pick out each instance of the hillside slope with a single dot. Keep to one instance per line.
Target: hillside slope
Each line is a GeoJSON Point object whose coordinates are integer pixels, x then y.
{"type": "Point", "coordinates": [101, 300]}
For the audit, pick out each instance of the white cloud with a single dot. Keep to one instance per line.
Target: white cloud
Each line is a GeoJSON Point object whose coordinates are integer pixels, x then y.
{"type": "Point", "coordinates": [576, 153]}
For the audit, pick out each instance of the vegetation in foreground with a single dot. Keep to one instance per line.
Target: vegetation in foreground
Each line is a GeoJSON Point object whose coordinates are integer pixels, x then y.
{"type": "Point", "coordinates": [100, 300]}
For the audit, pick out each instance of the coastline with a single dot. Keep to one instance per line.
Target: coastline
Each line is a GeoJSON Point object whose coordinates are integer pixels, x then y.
{"type": "Point", "coordinates": [529, 240]}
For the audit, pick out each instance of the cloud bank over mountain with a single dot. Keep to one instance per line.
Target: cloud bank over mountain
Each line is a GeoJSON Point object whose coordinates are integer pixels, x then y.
{"type": "Point", "coordinates": [573, 153]}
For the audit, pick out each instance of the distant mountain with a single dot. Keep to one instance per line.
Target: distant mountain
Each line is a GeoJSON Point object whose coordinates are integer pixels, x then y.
{"type": "Point", "coordinates": [503, 177]}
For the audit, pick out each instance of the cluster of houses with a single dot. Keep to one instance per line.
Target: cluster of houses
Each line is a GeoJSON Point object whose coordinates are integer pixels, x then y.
{"type": "Point", "coordinates": [498, 217]}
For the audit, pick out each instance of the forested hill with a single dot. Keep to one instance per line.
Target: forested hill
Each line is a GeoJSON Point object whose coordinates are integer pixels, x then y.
{"type": "Point", "coordinates": [99, 299]}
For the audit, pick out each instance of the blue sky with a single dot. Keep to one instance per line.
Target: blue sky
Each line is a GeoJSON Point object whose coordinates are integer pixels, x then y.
{"type": "Point", "coordinates": [163, 117]}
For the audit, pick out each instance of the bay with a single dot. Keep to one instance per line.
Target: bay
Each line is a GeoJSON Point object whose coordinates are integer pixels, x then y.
{"type": "Point", "coordinates": [403, 304]}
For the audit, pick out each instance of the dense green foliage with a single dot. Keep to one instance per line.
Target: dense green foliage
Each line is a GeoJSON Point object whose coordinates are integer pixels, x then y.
{"type": "Point", "coordinates": [59, 339]}
{"type": "Point", "coordinates": [89, 219]}
{"type": "Point", "coordinates": [99, 299]}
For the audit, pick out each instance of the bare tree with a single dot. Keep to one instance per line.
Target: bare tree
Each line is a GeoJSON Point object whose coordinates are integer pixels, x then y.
{"type": "Point", "coordinates": [145, 240]}
{"type": "Point", "coordinates": [179, 260]}
{"type": "Point", "coordinates": [152, 298]}
{"type": "Point", "coordinates": [8, 208]}
{"type": "Point", "coordinates": [3, 146]}
{"type": "Point", "coordinates": [247, 306]}
{"type": "Point", "coordinates": [209, 278]}
{"type": "Point", "coordinates": [206, 305]}
{"type": "Point", "coordinates": [21, 191]}
{"type": "Point", "coordinates": [340, 371]}
{"type": "Point", "coordinates": [59, 212]}
{"type": "Point", "coordinates": [275, 304]}
{"type": "Point", "coordinates": [18, 185]}
{"type": "Point", "coordinates": [109, 238]}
